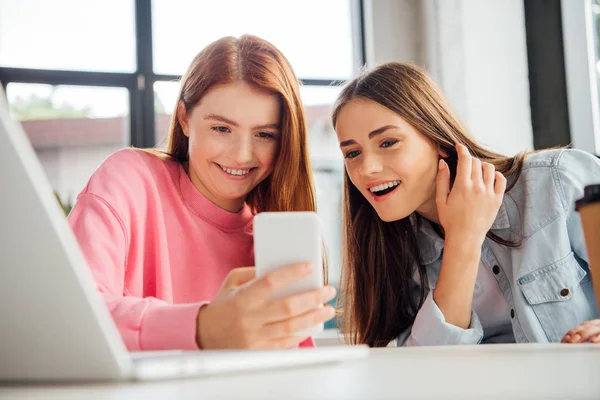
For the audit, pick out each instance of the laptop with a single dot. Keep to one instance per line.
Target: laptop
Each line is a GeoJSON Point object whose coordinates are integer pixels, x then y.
{"type": "Point", "coordinates": [54, 324]}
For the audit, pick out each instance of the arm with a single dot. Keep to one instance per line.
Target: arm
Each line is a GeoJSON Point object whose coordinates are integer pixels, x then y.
{"type": "Point", "coordinates": [453, 293]}
{"type": "Point", "coordinates": [144, 323]}
{"type": "Point", "coordinates": [465, 213]}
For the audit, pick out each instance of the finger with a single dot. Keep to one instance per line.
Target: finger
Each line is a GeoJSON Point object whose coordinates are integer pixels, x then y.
{"type": "Point", "coordinates": [476, 173]}
{"type": "Point", "coordinates": [239, 276]}
{"type": "Point", "coordinates": [595, 339]}
{"type": "Point", "coordinates": [569, 336]}
{"type": "Point", "coordinates": [299, 323]}
{"type": "Point", "coordinates": [575, 338]}
{"type": "Point", "coordinates": [572, 336]}
{"type": "Point", "coordinates": [489, 175]}
{"type": "Point", "coordinates": [299, 304]}
{"type": "Point", "coordinates": [500, 184]}
{"type": "Point", "coordinates": [261, 288]}
{"type": "Point", "coordinates": [463, 169]}
{"type": "Point", "coordinates": [442, 186]}
{"type": "Point", "coordinates": [587, 332]}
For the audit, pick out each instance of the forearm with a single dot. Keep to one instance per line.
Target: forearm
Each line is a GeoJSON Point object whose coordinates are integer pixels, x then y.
{"type": "Point", "coordinates": [453, 293]}
{"type": "Point", "coordinates": [152, 324]}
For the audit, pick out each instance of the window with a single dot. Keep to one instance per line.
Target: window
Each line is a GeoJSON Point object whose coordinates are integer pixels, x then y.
{"type": "Point", "coordinates": [68, 35]}
{"type": "Point", "coordinates": [322, 51]}
{"type": "Point", "coordinates": [71, 128]}
{"type": "Point", "coordinates": [86, 77]}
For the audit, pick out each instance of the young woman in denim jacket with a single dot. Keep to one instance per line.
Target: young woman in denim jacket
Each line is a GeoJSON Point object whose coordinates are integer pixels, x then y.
{"type": "Point", "coordinates": [447, 242]}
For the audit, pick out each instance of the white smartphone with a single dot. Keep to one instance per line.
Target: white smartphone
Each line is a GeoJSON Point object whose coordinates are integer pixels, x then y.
{"type": "Point", "coordinates": [285, 238]}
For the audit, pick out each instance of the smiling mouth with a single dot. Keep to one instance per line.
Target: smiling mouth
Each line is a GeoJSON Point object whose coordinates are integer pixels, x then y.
{"type": "Point", "coordinates": [236, 172]}
{"type": "Point", "coordinates": [384, 188]}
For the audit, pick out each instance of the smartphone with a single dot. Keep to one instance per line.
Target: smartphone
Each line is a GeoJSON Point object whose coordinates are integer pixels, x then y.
{"type": "Point", "coordinates": [285, 238]}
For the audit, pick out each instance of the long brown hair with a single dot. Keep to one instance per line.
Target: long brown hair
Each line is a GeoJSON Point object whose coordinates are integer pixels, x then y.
{"type": "Point", "coordinates": [379, 300]}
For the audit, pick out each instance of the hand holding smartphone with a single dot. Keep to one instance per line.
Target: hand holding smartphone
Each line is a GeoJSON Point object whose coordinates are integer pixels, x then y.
{"type": "Point", "coordinates": [285, 238]}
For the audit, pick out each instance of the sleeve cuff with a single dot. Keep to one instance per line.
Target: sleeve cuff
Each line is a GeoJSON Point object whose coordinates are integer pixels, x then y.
{"type": "Point", "coordinates": [430, 327]}
{"type": "Point", "coordinates": [308, 343]}
{"type": "Point", "coordinates": [169, 327]}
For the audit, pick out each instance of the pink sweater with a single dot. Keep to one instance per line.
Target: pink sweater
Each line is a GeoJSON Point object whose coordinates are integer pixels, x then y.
{"type": "Point", "coordinates": [157, 248]}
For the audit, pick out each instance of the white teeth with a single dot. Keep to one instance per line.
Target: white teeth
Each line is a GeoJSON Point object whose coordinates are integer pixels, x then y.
{"type": "Point", "coordinates": [384, 186]}
{"type": "Point", "coordinates": [237, 172]}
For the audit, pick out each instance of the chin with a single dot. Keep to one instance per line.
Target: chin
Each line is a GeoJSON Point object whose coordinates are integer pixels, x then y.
{"type": "Point", "coordinates": [389, 216]}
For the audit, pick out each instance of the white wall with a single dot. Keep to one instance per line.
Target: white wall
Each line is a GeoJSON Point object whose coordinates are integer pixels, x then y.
{"type": "Point", "coordinates": [393, 31]}
{"type": "Point", "coordinates": [497, 83]}
{"type": "Point", "coordinates": [474, 49]}
{"type": "Point", "coordinates": [580, 67]}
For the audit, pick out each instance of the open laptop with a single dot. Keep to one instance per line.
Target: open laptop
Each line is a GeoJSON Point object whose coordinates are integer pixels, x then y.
{"type": "Point", "coordinates": [53, 323]}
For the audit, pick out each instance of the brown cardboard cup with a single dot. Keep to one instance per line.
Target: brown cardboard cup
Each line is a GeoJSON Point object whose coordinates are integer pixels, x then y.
{"type": "Point", "coordinates": [589, 210]}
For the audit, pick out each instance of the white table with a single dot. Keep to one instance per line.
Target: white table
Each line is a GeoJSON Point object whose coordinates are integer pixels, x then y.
{"type": "Point", "coordinates": [564, 372]}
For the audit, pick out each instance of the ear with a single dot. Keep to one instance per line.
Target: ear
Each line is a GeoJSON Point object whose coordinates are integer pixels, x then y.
{"type": "Point", "coordinates": [182, 118]}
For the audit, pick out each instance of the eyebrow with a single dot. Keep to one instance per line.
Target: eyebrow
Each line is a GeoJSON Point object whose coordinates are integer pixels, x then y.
{"type": "Point", "coordinates": [226, 120]}
{"type": "Point", "coordinates": [373, 134]}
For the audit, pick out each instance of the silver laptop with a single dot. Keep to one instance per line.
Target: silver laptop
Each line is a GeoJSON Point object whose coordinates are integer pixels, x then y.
{"type": "Point", "coordinates": [53, 323]}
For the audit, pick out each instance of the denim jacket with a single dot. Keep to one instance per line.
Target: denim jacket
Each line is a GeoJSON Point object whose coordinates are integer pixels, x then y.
{"type": "Point", "coordinates": [545, 281]}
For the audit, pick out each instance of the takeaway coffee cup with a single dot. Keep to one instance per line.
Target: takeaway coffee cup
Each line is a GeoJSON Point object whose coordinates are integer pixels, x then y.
{"type": "Point", "coordinates": [589, 210]}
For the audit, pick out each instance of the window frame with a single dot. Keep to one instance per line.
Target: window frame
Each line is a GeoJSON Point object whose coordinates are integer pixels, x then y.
{"type": "Point", "coordinates": [140, 83]}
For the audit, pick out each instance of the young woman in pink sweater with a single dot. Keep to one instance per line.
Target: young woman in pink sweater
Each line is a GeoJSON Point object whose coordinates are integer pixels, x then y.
{"type": "Point", "coordinates": [166, 233]}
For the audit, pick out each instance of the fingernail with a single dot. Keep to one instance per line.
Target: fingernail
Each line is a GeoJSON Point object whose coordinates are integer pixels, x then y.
{"type": "Point", "coordinates": [329, 311]}
{"type": "Point", "coordinates": [329, 291]}
{"type": "Point", "coordinates": [441, 164]}
{"type": "Point", "coordinates": [307, 267]}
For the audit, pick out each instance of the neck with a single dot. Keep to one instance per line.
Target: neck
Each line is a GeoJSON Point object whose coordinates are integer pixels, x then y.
{"type": "Point", "coordinates": [429, 211]}
{"type": "Point", "coordinates": [230, 205]}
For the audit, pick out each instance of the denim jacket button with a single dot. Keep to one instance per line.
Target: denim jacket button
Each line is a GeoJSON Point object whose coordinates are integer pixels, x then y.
{"type": "Point", "coordinates": [565, 292]}
{"type": "Point", "coordinates": [512, 313]}
{"type": "Point", "coordinates": [496, 269]}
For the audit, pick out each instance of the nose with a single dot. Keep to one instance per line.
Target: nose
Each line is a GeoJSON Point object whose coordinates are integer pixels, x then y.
{"type": "Point", "coordinates": [371, 165]}
{"type": "Point", "coordinates": [242, 150]}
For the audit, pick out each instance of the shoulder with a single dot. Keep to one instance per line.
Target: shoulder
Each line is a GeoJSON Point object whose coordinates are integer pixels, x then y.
{"type": "Point", "coordinates": [130, 169]}
{"type": "Point", "coordinates": [535, 199]}
{"type": "Point", "coordinates": [560, 165]}
{"type": "Point", "coordinates": [132, 161]}
{"type": "Point", "coordinates": [538, 172]}
{"type": "Point", "coordinates": [543, 159]}
{"type": "Point", "coordinates": [129, 178]}
{"type": "Point", "coordinates": [550, 182]}
{"type": "Point", "coordinates": [561, 160]}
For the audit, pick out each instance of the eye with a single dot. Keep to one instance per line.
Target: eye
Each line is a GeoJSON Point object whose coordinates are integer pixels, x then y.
{"type": "Point", "coordinates": [265, 135]}
{"type": "Point", "coordinates": [388, 143]}
{"type": "Point", "coordinates": [352, 154]}
{"type": "Point", "coordinates": [220, 129]}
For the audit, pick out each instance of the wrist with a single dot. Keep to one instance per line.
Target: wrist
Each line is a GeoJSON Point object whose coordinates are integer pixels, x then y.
{"type": "Point", "coordinates": [201, 325]}
{"type": "Point", "coordinates": [464, 241]}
